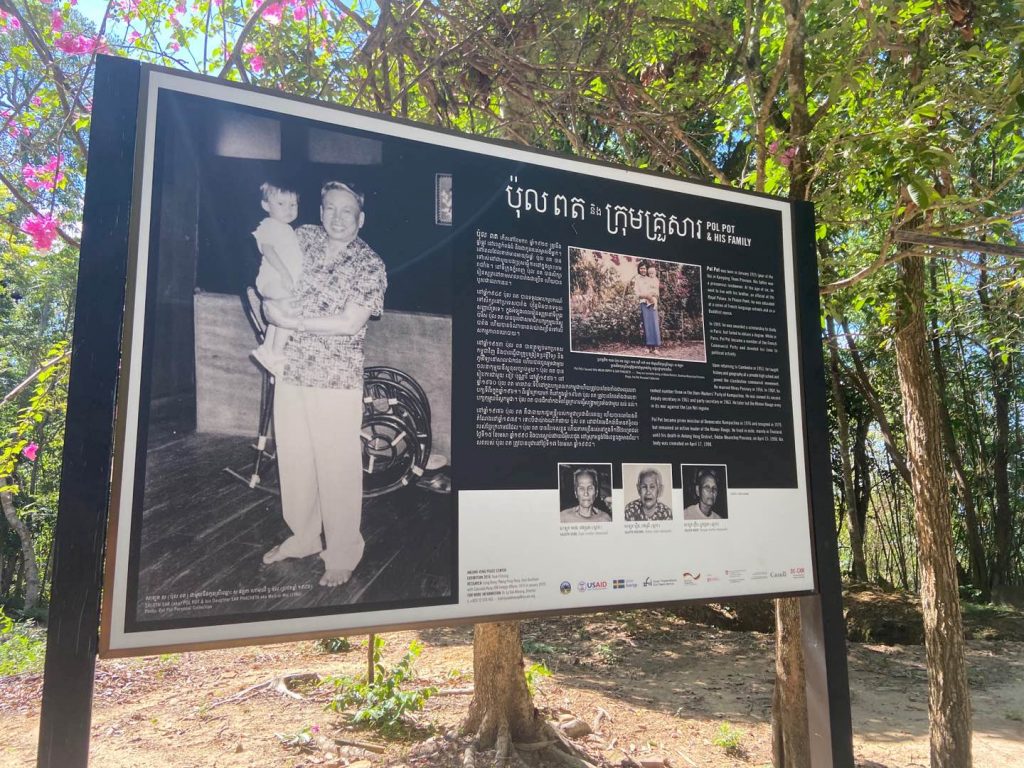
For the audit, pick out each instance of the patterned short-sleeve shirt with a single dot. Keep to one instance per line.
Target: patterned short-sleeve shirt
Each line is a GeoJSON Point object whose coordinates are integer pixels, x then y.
{"type": "Point", "coordinates": [635, 511]}
{"type": "Point", "coordinates": [328, 283]}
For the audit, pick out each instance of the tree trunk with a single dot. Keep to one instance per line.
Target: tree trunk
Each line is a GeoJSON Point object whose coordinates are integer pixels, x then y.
{"type": "Point", "coordinates": [949, 706]}
{"type": "Point", "coordinates": [791, 738]}
{"type": "Point", "coordinates": [790, 735]}
{"type": "Point", "coordinates": [501, 706]}
{"type": "Point", "coordinates": [28, 555]}
{"type": "Point", "coordinates": [862, 379]}
{"type": "Point", "coordinates": [975, 546]}
{"type": "Point", "coordinates": [860, 568]}
{"type": "Point", "coordinates": [862, 472]}
{"type": "Point", "coordinates": [1002, 567]}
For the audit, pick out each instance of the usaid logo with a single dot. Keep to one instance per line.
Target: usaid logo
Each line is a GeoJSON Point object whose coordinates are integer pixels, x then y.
{"type": "Point", "coordinates": [590, 586]}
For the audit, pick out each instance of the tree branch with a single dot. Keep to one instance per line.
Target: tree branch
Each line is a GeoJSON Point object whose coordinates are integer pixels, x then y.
{"type": "Point", "coordinates": [979, 246]}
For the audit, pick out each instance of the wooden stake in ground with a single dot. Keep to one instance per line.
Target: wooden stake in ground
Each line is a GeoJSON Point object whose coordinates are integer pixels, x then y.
{"type": "Point", "coordinates": [949, 706]}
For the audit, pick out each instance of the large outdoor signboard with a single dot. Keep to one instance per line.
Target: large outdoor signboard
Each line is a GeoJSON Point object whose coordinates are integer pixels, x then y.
{"type": "Point", "coordinates": [377, 375]}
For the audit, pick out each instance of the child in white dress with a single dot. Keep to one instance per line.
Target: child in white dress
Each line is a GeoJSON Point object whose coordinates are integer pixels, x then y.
{"type": "Point", "coordinates": [280, 267]}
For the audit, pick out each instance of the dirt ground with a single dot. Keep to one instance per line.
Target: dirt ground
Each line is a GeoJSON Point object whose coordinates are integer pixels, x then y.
{"type": "Point", "coordinates": [654, 688]}
{"type": "Point", "coordinates": [670, 350]}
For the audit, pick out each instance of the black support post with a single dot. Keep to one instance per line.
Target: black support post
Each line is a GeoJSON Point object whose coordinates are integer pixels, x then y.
{"type": "Point", "coordinates": [85, 475]}
{"type": "Point", "coordinates": [823, 626]}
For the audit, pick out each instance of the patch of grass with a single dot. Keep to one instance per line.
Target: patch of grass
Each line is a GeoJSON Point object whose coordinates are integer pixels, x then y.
{"type": "Point", "coordinates": [1017, 715]}
{"type": "Point", "coordinates": [607, 653]}
{"type": "Point", "coordinates": [22, 646]}
{"type": "Point", "coordinates": [730, 739]}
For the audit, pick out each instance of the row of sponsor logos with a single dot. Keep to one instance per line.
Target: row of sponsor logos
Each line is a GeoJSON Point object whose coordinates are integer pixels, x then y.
{"type": "Point", "coordinates": [688, 578]}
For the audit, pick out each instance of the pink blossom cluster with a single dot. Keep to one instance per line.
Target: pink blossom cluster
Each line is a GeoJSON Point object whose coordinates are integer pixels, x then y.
{"type": "Point", "coordinates": [256, 62]}
{"type": "Point", "coordinates": [45, 177]}
{"type": "Point", "coordinates": [274, 13]}
{"type": "Point", "coordinates": [8, 22]}
{"type": "Point", "coordinates": [785, 157]}
{"type": "Point", "coordinates": [79, 44]}
{"type": "Point", "coordinates": [127, 8]}
{"type": "Point", "coordinates": [42, 228]}
{"type": "Point", "coordinates": [30, 451]}
{"type": "Point", "coordinates": [13, 129]}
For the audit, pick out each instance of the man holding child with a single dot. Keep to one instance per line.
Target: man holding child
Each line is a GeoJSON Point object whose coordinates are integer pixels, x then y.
{"type": "Point", "coordinates": [318, 394]}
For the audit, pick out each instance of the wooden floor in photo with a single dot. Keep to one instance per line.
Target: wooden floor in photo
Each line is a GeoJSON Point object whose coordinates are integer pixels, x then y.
{"type": "Point", "coordinates": [204, 532]}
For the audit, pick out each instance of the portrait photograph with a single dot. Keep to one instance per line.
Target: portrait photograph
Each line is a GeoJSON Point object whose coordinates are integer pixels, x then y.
{"type": "Point", "coordinates": [585, 493]}
{"type": "Point", "coordinates": [293, 441]}
{"type": "Point", "coordinates": [647, 492]}
{"type": "Point", "coordinates": [636, 307]}
{"type": "Point", "coordinates": [705, 492]}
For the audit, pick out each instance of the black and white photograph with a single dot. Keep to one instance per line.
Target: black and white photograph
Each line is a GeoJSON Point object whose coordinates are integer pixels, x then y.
{"type": "Point", "coordinates": [585, 493]}
{"type": "Point", "coordinates": [705, 492]}
{"type": "Point", "coordinates": [632, 306]}
{"type": "Point", "coordinates": [647, 491]}
{"type": "Point", "coordinates": [295, 431]}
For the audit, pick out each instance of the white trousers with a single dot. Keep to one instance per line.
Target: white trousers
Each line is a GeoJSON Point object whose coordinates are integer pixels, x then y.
{"type": "Point", "coordinates": [319, 458]}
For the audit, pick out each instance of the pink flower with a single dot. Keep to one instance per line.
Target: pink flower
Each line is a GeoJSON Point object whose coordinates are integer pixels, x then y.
{"type": "Point", "coordinates": [299, 12]}
{"type": "Point", "coordinates": [36, 101]}
{"type": "Point", "coordinates": [37, 177]}
{"type": "Point", "coordinates": [56, 21]}
{"type": "Point", "coordinates": [30, 451]}
{"type": "Point", "coordinates": [42, 228]}
{"type": "Point", "coordinates": [175, 46]}
{"type": "Point", "coordinates": [256, 64]}
{"type": "Point", "coordinates": [272, 14]}
{"type": "Point", "coordinates": [9, 22]}
{"type": "Point", "coordinates": [249, 48]}
{"type": "Point", "coordinates": [133, 36]}
{"type": "Point", "coordinates": [79, 44]}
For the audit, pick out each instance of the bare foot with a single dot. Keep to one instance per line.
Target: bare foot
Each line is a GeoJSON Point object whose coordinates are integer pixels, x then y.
{"type": "Point", "coordinates": [273, 555]}
{"type": "Point", "coordinates": [335, 577]}
{"type": "Point", "coordinates": [283, 551]}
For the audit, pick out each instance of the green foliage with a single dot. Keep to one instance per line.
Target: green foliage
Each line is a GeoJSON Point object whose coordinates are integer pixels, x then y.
{"type": "Point", "coordinates": [615, 320]}
{"type": "Point", "coordinates": [729, 738]}
{"type": "Point", "coordinates": [333, 645]}
{"type": "Point", "coordinates": [534, 673]}
{"type": "Point", "coordinates": [303, 740]}
{"type": "Point", "coordinates": [22, 646]}
{"type": "Point", "coordinates": [382, 704]}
